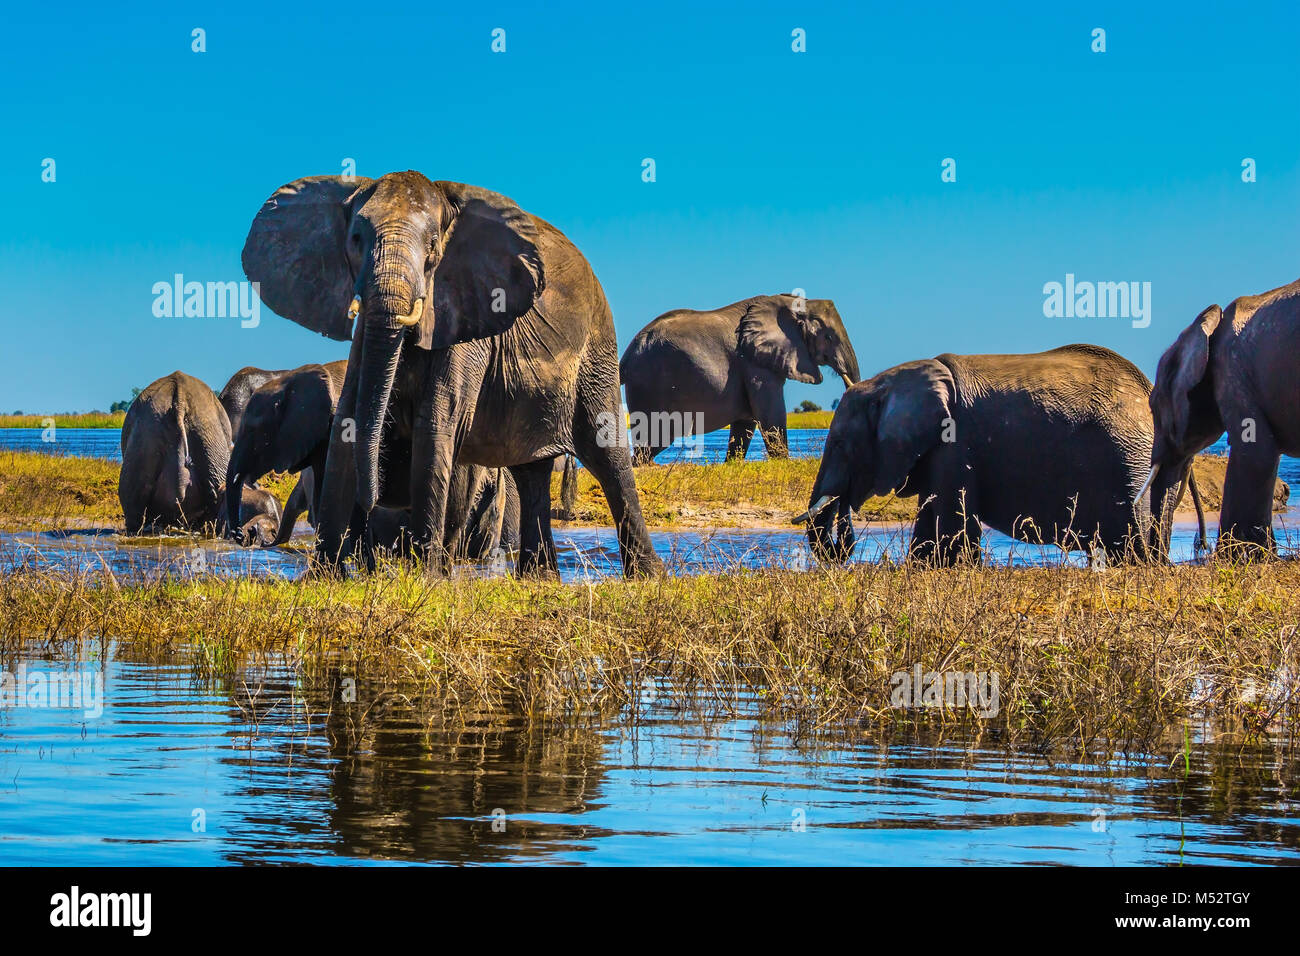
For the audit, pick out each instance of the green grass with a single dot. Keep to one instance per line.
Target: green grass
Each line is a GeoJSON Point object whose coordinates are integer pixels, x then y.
{"type": "Point", "coordinates": [808, 419]}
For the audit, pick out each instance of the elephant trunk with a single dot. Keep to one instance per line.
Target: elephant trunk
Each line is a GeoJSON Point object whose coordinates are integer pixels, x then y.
{"type": "Point", "coordinates": [1167, 484]}
{"type": "Point", "coordinates": [380, 352]}
{"type": "Point", "coordinates": [848, 366]}
{"type": "Point", "coordinates": [830, 517]}
{"type": "Point", "coordinates": [830, 531]}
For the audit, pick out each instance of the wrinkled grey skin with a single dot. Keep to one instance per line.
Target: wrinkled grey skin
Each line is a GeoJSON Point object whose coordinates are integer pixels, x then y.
{"type": "Point", "coordinates": [175, 447]}
{"type": "Point", "coordinates": [239, 390]}
{"type": "Point", "coordinates": [1231, 370]}
{"type": "Point", "coordinates": [286, 428]}
{"type": "Point", "coordinates": [1045, 447]}
{"type": "Point", "coordinates": [482, 337]}
{"type": "Point", "coordinates": [731, 365]}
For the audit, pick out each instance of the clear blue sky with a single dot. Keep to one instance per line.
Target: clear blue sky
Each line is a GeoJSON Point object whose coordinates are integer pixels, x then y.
{"type": "Point", "coordinates": [775, 169]}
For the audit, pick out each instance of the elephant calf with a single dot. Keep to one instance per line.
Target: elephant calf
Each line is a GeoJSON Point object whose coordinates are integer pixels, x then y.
{"type": "Point", "coordinates": [1048, 447]}
{"type": "Point", "coordinates": [175, 447]}
{"type": "Point", "coordinates": [728, 367]}
{"type": "Point", "coordinates": [285, 427]}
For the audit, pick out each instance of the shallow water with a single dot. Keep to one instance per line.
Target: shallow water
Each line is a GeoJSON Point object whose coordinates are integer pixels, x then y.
{"type": "Point", "coordinates": [583, 553]}
{"type": "Point", "coordinates": [175, 771]}
{"type": "Point", "coordinates": [709, 449]}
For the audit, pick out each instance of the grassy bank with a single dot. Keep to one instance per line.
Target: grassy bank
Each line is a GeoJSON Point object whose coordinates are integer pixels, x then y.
{"type": "Point", "coordinates": [808, 419]}
{"type": "Point", "coordinates": [84, 420]}
{"type": "Point", "coordinates": [1115, 659]}
{"type": "Point", "coordinates": [44, 492]}
{"type": "Point", "coordinates": [51, 491]}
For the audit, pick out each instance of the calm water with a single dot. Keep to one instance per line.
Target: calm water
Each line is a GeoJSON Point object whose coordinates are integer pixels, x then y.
{"type": "Point", "coordinates": [255, 769]}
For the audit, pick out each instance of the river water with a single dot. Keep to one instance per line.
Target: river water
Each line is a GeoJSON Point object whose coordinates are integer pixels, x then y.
{"type": "Point", "coordinates": [267, 767]}
{"type": "Point", "coordinates": [582, 552]}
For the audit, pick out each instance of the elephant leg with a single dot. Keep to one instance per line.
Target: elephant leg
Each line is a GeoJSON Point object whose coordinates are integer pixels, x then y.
{"type": "Point", "coordinates": [611, 466]}
{"type": "Point", "coordinates": [946, 529]}
{"type": "Point", "coordinates": [337, 483]}
{"type": "Point", "coordinates": [742, 433]}
{"type": "Point", "coordinates": [776, 439]}
{"type": "Point", "coordinates": [435, 442]}
{"type": "Point", "coordinates": [536, 546]}
{"type": "Point", "coordinates": [767, 399]}
{"type": "Point", "coordinates": [1246, 521]}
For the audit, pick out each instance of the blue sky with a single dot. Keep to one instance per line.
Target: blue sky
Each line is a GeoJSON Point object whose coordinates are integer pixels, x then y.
{"type": "Point", "coordinates": [775, 170]}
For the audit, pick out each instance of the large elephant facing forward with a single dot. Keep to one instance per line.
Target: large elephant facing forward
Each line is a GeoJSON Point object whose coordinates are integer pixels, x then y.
{"type": "Point", "coordinates": [175, 446]}
{"type": "Point", "coordinates": [481, 336]}
{"type": "Point", "coordinates": [1232, 370]}
{"type": "Point", "coordinates": [1048, 447]}
{"type": "Point", "coordinates": [730, 365]}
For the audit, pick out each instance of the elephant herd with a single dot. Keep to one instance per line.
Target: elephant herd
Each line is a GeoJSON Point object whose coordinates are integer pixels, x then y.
{"type": "Point", "coordinates": [482, 350]}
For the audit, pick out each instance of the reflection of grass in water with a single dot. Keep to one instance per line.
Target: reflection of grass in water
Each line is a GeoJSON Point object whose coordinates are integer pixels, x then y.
{"type": "Point", "coordinates": [84, 420]}
{"type": "Point", "coordinates": [1095, 659]}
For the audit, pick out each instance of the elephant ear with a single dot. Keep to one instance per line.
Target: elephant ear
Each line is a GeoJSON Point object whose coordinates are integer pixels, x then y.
{"type": "Point", "coordinates": [490, 272]}
{"type": "Point", "coordinates": [1187, 361]}
{"type": "Point", "coordinates": [913, 417]}
{"type": "Point", "coordinates": [296, 251]}
{"type": "Point", "coordinates": [771, 336]}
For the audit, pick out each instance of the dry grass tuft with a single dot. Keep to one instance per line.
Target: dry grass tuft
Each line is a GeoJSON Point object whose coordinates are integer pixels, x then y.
{"type": "Point", "coordinates": [1094, 660]}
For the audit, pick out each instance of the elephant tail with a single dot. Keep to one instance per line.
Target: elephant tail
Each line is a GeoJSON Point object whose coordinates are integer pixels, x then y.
{"type": "Point", "coordinates": [569, 488]}
{"type": "Point", "coordinates": [1201, 538]}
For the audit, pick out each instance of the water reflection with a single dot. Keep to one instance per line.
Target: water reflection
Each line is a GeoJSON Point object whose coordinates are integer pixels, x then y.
{"type": "Point", "coordinates": [280, 769]}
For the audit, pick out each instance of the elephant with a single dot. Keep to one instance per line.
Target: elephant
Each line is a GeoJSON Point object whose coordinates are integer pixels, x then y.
{"type": "Point", "coordinates": [260, 513]}
{"type": "Point", "coordinates": [286, 428]}
{"type": "Point", "coordinates": [481, 336]}
{"type": "Point", "coordinates": [1231, 370]}
{"type": "Point", "coordinates": [730, 365]}
{"type": "Point", "coordinates": [235, 395]}
{"type": "Point", "coordinates": [1045, 447]}
{"type": "Point", "coordinates": [175, 448]}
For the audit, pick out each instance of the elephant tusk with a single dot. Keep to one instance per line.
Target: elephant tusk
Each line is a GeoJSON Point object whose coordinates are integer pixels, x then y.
{"type": "Point", "coordinates": [354, 308]}
{"type": "Point", "coordinates": [1155, 469]}
{"type": "Point", "coordinates": [815, 510]}
{"type": "Point", "coordinates": [848, 382]}
{"type": "Point", "coordinates": [417, 310]}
